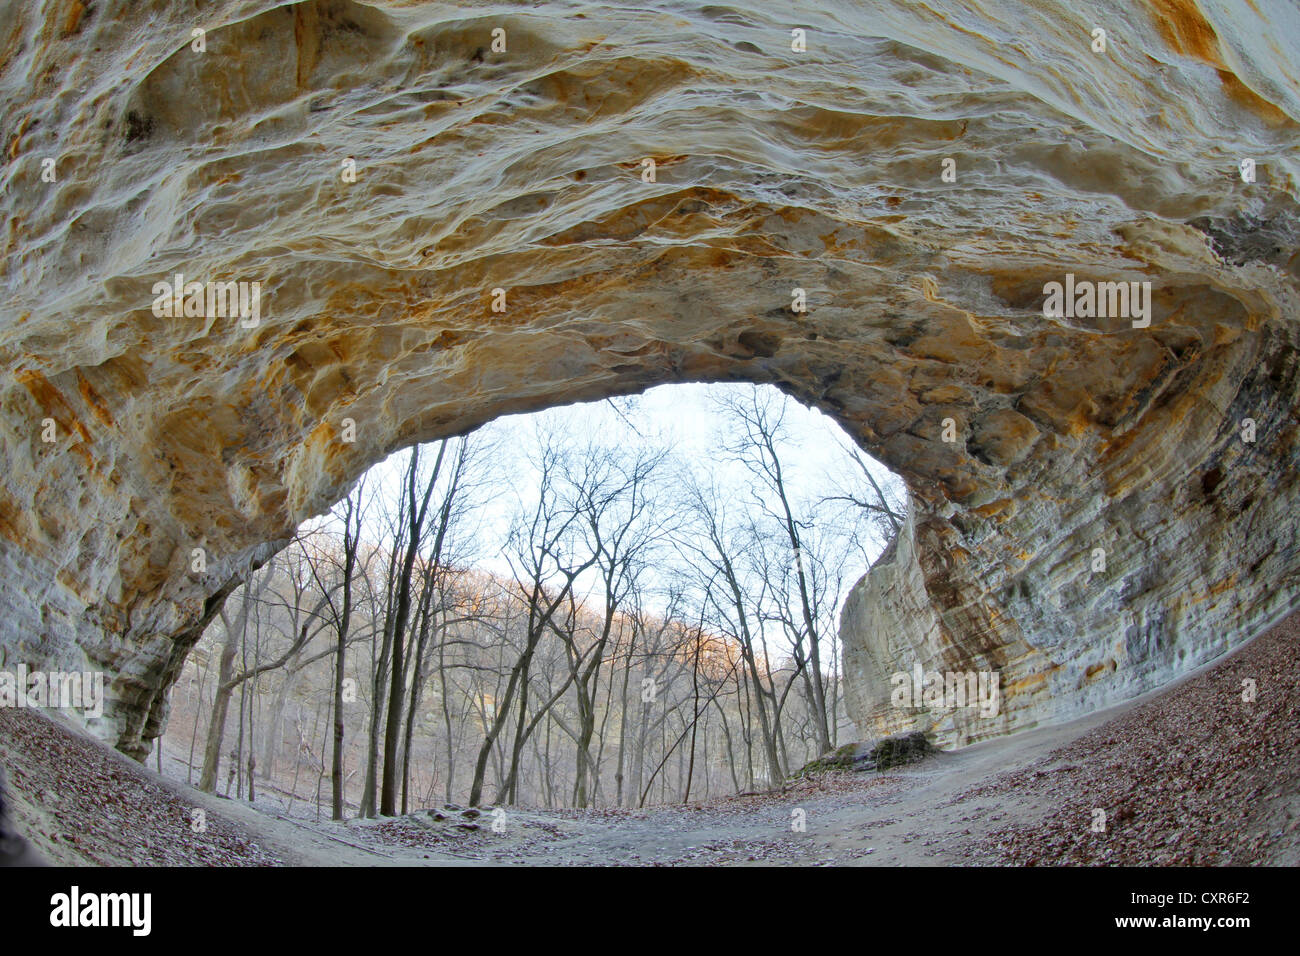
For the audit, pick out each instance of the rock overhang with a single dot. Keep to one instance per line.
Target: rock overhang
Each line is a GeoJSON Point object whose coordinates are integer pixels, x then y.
{"type": "Point", "coordinates": [522, 170]}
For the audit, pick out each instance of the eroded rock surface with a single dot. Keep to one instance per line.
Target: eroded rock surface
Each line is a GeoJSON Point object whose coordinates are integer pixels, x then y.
{"type": "Point", "coordinates": [775, 170]}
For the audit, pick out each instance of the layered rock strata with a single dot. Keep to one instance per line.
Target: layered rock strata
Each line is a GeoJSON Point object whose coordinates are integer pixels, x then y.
{"type": "Point", "coordinates": [379, 168]}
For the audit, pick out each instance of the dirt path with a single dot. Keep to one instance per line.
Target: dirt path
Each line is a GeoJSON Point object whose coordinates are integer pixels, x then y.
{"type": "Point", "coordinates": [1226, 791]}
{"type": "Point", "coordinates": [83, 804]}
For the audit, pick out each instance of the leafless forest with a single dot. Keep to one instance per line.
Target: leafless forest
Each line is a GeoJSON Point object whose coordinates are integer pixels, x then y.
{"type": "Point", "coordinates": [522, 617]}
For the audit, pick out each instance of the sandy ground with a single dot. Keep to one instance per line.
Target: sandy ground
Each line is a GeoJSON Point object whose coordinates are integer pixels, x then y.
{"type": "Point", "coordinates": [1189, 774]}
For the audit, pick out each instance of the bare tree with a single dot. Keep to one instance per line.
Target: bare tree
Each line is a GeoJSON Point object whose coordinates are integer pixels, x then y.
{"type": "Point", "coordinates": [344, 563]}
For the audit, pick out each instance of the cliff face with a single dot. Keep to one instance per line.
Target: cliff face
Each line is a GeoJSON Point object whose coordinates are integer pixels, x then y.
{"type": "Point", "coordinates": [524, 170]}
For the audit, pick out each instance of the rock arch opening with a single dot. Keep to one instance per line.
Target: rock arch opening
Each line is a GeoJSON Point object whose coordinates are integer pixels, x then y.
{"type": "Point", "coordinates": [1029, 441]}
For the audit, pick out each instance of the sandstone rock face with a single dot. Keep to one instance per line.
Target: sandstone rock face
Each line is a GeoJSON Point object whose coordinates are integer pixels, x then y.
{"type": "Point", "coordinates": [130, 157]}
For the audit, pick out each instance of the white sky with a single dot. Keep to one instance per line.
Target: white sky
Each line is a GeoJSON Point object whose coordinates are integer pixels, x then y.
{"type": "Point", "coordinates": [683, 416]}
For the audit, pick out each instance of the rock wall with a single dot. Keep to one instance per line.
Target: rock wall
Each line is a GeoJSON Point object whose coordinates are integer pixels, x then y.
{"type": "Point", "coordinates": [135, 150]}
